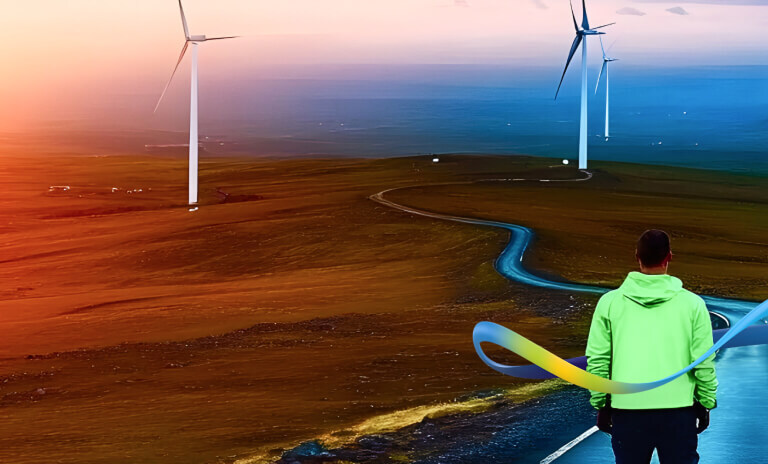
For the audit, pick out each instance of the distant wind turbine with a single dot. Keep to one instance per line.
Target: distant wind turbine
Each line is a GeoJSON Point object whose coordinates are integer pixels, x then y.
{"type": "Point", "coordinates": [581, 33]}
{"type": "Point", "coordinates": [193, 138]}
{"type": "Point", "coordinates": [604, 69]}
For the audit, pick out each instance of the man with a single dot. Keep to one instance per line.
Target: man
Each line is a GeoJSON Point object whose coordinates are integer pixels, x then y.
{"type": "Point", "coordinates": [648, 328]}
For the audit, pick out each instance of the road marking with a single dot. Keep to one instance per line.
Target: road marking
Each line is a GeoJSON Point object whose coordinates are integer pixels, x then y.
{"type": "Point", "coordinates": [565, 448]}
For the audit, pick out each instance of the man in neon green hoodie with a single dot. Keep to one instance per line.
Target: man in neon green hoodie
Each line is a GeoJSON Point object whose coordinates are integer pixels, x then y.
{"type": "Point", "coordinates": [647, 329]}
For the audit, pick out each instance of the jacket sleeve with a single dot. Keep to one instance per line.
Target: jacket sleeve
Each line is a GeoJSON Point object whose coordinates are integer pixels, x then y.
{"type": "Point", "coordinates": [705, 381]}
{"type": "Point", "coordinates": [599, 349]}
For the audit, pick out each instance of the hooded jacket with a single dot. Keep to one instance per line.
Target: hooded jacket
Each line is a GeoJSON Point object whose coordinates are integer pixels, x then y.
{"type": "Point", "coordinates": [648, 328]}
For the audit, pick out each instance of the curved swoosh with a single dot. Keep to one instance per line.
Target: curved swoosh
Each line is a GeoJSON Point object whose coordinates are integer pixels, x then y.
{"type": "Point", "coordinates": [543, 359]}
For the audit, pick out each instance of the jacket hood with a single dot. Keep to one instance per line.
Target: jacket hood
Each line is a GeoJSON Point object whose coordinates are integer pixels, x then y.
{"type": "Point", "coordinates": [650, 290]}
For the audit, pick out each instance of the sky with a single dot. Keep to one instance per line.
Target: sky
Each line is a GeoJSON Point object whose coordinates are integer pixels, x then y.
{"type": "Point", "coordinates": [61, 54]}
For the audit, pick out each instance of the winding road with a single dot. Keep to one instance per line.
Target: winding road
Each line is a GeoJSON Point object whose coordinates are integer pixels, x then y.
{"type": "Point", "coordinates": [510, 262]}
{"type": "Point", "coordinates": [747, 366]}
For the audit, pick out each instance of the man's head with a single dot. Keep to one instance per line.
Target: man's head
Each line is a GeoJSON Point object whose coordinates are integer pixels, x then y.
{"type": "Point", "coordinates": [653, 252]}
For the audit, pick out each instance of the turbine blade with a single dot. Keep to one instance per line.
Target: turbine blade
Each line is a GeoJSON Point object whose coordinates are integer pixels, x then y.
{"type": "Point", "coordinates": [181, 57]}
{"type": "Point", "coordinates": [573, 15]}
{"type": "Point", "coordinates": [574, 47]}
{"type": "Point", "coordinates": [584, 20]}
{"type": "Point", "coordinates": [604, 25]}
{"type": "Point", "coordinates": [605, 64]}
{"type": "Point", "coordinates": [601, 46]}
{"type": "Point", "coordinates": [610, 47]}
{"type": "Point", "coordinates": [184, 21]}
{"type": "Point", "coordinates": [221, 38]}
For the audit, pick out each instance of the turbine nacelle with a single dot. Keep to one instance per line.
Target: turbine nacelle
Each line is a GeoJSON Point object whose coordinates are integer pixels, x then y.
{"type": "Point", "coordinates": [196, 38]}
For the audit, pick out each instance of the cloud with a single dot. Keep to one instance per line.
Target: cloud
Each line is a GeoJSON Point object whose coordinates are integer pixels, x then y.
{"type": "Point", "coordinates": [628, 10]}
{"type": "Point", "coordinates": [678, 10]}
{"type": "Point", "coordinates": [540, 4]}
{"type": "Point", "coordinates": [461, 3]}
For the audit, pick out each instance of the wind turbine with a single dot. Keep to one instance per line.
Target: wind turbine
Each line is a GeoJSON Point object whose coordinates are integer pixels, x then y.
{"type": "Point", "coordinates": [581, 34]}
{"type": "Point", "coordinates": [193, 138]}
{"type": "Point", "coordinates": [604, 69]}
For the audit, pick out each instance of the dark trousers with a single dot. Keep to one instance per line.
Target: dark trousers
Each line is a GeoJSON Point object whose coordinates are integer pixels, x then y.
{"type": "Point", "coordinates": [672, 432]}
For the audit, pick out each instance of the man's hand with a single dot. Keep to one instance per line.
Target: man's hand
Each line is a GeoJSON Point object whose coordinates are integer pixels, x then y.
{"type": "Point", "coordinates": [702, 416]}
{"type": "Point", "coordinates": [604, 419]}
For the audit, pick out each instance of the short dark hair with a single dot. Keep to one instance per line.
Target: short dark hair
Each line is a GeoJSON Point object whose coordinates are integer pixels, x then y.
{"type": "Point", "coordinates": [653, 247]}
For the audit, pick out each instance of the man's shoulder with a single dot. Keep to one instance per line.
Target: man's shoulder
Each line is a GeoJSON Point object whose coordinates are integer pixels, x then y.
{"type": "Point", "coordinates": [693, 303]}
{"type": "Point", "coordinates": [608, 297]}
{"type": "Point", "coordinates": [692, 298]}
{"type": "Point", "coordinates": [611, 294]}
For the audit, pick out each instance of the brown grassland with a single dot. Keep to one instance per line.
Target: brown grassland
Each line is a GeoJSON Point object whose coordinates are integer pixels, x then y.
{"type": "Point", "coordinates": [134, 330]}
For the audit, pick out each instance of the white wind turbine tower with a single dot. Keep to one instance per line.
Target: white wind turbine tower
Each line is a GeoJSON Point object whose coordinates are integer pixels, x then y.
{"type": "Point", "coordinates": [193, 138]}
{"type": "Point", "coordinates": [604, 69]}
{"type": "Point", "coordinates": [581, 34]}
